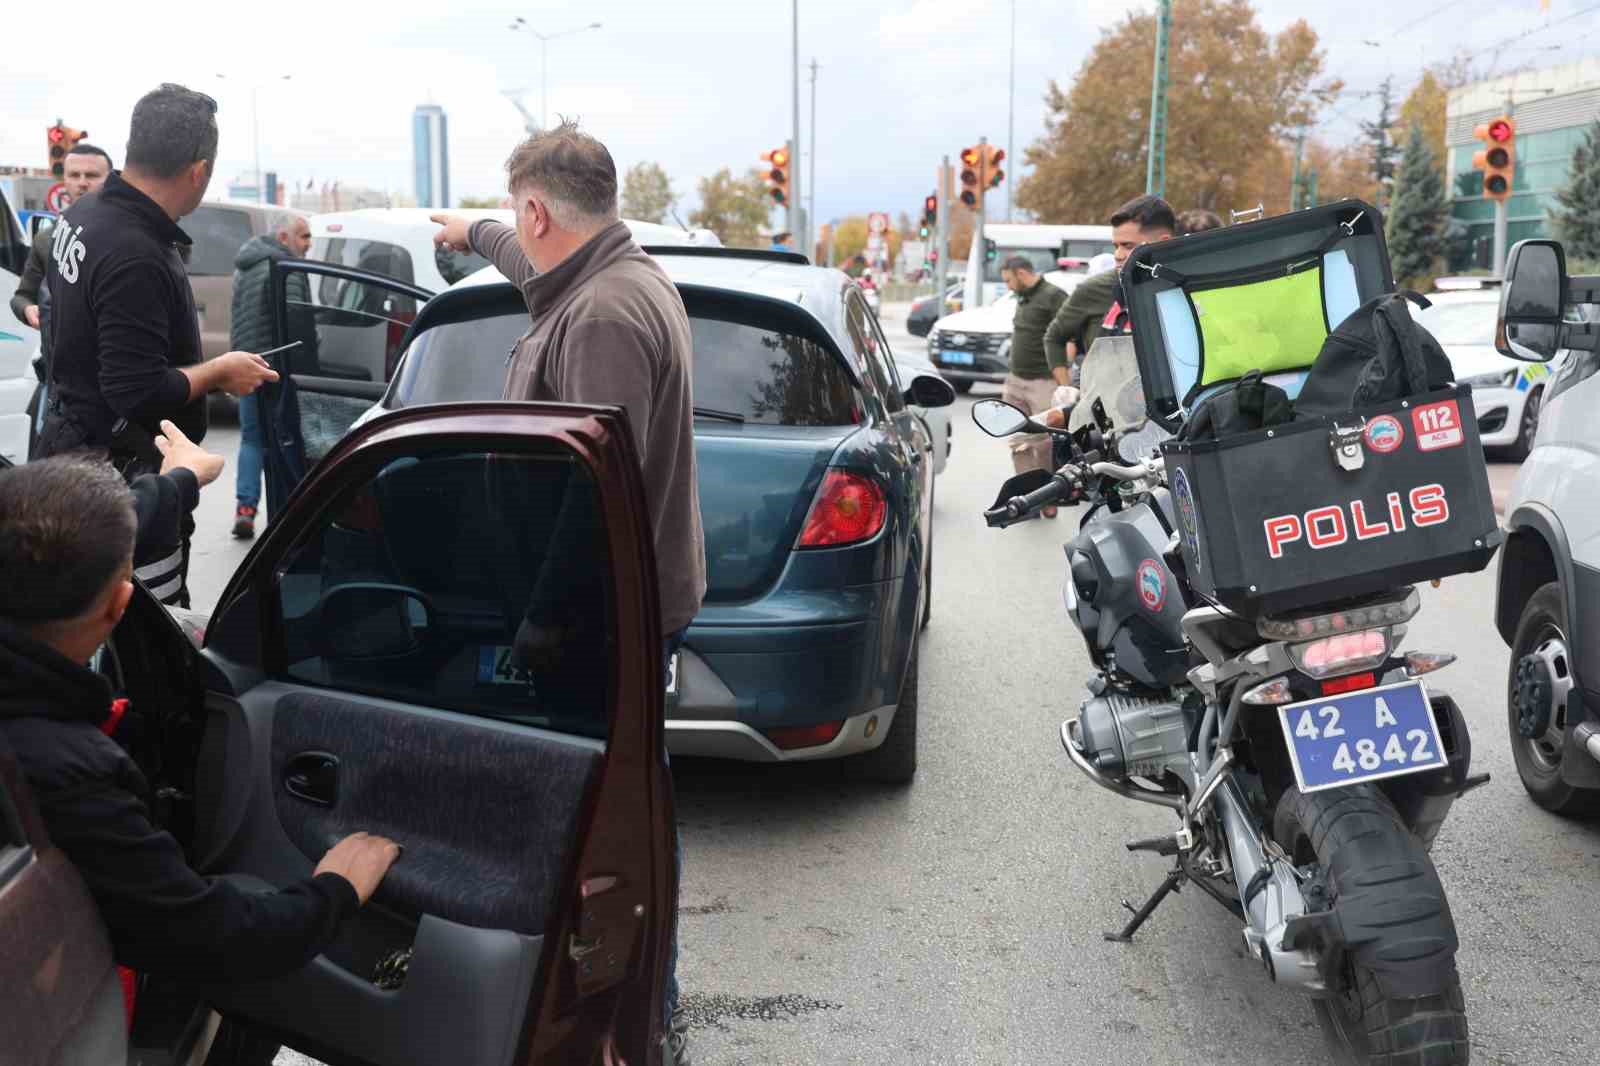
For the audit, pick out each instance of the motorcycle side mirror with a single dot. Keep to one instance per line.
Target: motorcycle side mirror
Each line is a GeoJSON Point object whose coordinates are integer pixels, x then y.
{"type": "Point", "coordinates": [1000, 419]}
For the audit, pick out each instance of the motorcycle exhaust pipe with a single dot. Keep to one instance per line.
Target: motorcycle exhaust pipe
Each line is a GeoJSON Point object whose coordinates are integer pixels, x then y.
{"type": "Point", "coordinates": [1268, 892]}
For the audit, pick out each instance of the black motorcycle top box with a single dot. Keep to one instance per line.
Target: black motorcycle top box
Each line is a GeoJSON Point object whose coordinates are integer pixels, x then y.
{"type": "Point", "coordinates": [1317, 509]}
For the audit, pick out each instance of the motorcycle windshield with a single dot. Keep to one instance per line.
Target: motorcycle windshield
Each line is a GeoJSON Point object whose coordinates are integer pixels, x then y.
{"type": "Point", "coordinates": [1110, 374]}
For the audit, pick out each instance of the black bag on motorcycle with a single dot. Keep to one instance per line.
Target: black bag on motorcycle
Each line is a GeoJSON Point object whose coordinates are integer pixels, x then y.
{"type": "Point", "coordinates": [1335, 505]}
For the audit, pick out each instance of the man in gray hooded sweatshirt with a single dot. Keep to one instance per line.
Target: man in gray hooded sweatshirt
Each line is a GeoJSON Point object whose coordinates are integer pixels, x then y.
{"type": "Point", "coordinates": [252, 332]}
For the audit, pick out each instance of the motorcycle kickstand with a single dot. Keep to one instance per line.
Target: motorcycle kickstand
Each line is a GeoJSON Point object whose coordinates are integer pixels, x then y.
{"type": "Point", "coordinates": [1142, 914]}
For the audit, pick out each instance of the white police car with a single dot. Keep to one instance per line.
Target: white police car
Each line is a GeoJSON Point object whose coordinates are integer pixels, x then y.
{"type": "Point", "coordinates": [1507, 395]}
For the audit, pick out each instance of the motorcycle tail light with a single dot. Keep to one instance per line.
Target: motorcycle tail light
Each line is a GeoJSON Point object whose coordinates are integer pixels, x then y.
{"type": "Point", "coordinates": [849, 509]}
{"type": "Point", "coordinates": [1341, 654]}
{"type": "Point", "coordinates": [1388, 612]}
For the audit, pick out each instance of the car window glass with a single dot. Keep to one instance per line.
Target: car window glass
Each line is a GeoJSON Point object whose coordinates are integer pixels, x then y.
{"type": "Point", "coordinates": [218, 233]}
{"type": "Point", "coordinates": [458, 361]}
{"type": "Point", "coordinates": [873, 351]}
{"type": "Point", "coordinates": [351, 330]}
{"type": "Point", "coordinates": [375, 257]}
{"type": "Point", "coordinates": [454, 266]}
{"type": "Point", "coordinates": [769, 376]}
{"type": "Point", "coordinates": [416, 582]}
{"type": "Point", "coordinates": [886, 353]}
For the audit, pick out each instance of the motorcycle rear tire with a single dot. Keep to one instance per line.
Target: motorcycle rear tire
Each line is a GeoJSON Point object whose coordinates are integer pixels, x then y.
{"type": "Point", "coordinates": [1360, 1023]}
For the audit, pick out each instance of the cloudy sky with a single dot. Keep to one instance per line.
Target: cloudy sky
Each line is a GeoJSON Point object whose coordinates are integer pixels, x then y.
{"type": "Point", "coordinates": [695, 85]}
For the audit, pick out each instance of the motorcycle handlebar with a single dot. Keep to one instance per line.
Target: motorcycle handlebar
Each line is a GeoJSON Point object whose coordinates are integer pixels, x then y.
{"type": "Point", "coordinates": [1147, 468]}
{"type": "Point", "coordinates": [1058, 488]}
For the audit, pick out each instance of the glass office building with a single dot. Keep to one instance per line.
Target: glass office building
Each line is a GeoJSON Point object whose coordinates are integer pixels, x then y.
{"type": "Point", "coordinates": [430, 152]}
{"type": "Point", "coordinates": [1552, 109]}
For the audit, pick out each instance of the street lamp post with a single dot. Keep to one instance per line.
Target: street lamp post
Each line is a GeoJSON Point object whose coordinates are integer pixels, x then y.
{"type": "Point", "coordinates": [255, 128]}
{"type": "Point", "coordinates": [520, 23]}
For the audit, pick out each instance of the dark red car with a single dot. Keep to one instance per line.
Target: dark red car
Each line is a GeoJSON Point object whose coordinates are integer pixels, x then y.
{"type": "Point", "coordinates": [341, 688]}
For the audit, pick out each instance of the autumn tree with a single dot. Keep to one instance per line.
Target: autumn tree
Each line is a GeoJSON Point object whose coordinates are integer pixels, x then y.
{"type": "Point", "coordinates": [1577, 214]}
{"type": "Point", "coordinates": [647, 194]}
{"type": "Point", "coordinates": [480, 201]}
{"type": "Point", "coordinates": [1234, 91]}
{"type": "Point", "coordinates": [1419, 214]}
{"type": "Point", "coordinates": [1424, 106]}
{"type": "Point", "coordinates": [850, 239]}
{"type": "Point", "coordinates": [1343, 171]}
{"type": "Point", "coordinates": [735, 209]}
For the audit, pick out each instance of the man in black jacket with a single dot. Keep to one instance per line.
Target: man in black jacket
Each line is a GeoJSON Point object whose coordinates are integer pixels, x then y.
{"type": "Point", "coordinates": [67, 531]}
{"type": "Point", "coordinates": [125, 338]}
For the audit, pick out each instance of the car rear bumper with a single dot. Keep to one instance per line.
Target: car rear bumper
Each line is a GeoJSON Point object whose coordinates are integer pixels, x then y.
{"type": "Point", "coordinates": [745, 681]}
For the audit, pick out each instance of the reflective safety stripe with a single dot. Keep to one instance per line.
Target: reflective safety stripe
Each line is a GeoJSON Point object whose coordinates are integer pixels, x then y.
{"type": "Point", "coordinates": [161, 568]}
{"type": "Point", "coordinates": [166, 588]}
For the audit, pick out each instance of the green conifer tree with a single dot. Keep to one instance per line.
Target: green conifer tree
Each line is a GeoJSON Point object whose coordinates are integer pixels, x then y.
{"type": "Point", "coordinates": [1577, 218]}
{"type": "Point", "coordinates": [1418, 213]}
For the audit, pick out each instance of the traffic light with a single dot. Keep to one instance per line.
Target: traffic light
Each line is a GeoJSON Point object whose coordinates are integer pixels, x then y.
{"type": "Point", "coordinates": [992, 174]}
{"type": "Point", "coordinates": [930, 215]}
{"type": "Point", "coordinates": [1498, 158]}
{"type": "Point", "coordinates": [991, 251]}
{"type": "Point", "coordinates": [61, 140]}
{"type": "Point", "coordinates": [971, 182]}
{"type": "Point", "coordinates": [777, 175]}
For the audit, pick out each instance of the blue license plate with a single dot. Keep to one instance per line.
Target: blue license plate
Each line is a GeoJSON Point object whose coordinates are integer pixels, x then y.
{"type": "Point", "coordinates": [1362, 736]}
{"type": "Point", "coordinates": [956, 358]}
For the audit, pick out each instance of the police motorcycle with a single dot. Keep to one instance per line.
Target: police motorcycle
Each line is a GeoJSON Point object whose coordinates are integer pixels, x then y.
{"type": "Point", "coordinates": [1244, 598]}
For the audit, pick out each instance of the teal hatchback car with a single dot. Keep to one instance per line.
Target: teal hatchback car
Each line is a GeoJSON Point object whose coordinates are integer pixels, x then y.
{"type": "Point", "coordinates": [816, 473]}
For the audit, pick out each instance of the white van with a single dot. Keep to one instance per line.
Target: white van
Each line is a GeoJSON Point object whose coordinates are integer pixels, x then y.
{"type": "Point", "coordinates": [18, 340]}
{"type": "Point", "coordinates": [1045, 246]}
{"type": "Point", "coordinates": [398, 242]}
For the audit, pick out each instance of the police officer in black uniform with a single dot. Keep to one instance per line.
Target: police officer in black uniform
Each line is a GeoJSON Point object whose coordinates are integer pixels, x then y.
{"type": "Point", "coordinates": [125, 342]}
{"type": "Point", "coordinates": [126, 339]}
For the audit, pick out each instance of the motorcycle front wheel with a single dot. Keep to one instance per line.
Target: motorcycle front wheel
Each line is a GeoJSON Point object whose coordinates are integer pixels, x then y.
{"type": "Point", "coordinates": [1356, 835]}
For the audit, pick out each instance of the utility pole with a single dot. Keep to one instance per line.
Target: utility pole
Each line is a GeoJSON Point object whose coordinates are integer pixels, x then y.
{"type": "Point", "coordinates": [941, 237]}
{"type": "Point", "coordinates": [977, 254]}
{"type": "Point", "coordinates": [1011, 109]}
{"type": "Point", "coordinates": [796, 213]}
{"type": "Point", "coordinates": [811, 178]}
{"type": "Point", "coordinates": [1311, 188]}
{"type": "Point", "coordinates": [1294, 182]}
{"type": "Point", "coordinates": [1155, 175]}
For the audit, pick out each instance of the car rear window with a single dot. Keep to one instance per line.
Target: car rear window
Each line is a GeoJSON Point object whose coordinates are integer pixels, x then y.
{"type": "Point", "coordinates": [763, 375]}
{"type": "Point", "coordinates": [377, 257]}
{"type": "Point", "coordinates": [218, 233]}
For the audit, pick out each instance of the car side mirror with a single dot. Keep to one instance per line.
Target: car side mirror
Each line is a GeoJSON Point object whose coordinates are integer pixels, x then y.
{"type": "Point", "coordinates": [1000, 419]}
{"type": "Point", "coordinates": [930, 390]}
{"type": "Point", "coordinates": [1533, 298]}
{"type": "Point", "coordinates": [363, 621]}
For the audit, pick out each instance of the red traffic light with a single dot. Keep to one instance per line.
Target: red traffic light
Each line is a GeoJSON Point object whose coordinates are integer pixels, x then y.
{"type": "Point", "coordinates": [1501, 131]}
{"type": "Point", "coordinates": [970, 157]}
{"type": "Point", "coordinates": [56, 133]}
{"type": "Point", "coordinates": [930, 205]}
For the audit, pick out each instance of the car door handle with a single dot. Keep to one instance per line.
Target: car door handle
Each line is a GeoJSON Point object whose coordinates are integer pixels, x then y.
{"type": "Point", "coordinates": [314, 777]}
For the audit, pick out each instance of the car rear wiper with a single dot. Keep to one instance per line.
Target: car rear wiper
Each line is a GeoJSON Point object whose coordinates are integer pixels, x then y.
{"type": "Point", "coordinates": [721, 416]}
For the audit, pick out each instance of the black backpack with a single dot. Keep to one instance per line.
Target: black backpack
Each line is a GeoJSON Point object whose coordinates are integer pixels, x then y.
{"type": "Point", "coordinates": [1377, 354]}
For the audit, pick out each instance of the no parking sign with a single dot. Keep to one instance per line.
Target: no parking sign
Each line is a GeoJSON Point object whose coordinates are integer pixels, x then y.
{"type": "Point", "coordinates": [56, 199]}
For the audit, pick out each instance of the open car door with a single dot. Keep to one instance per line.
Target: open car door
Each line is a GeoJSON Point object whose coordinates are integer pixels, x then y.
{"type": "Point", "coordinates": [361, 678]}
{"type": "Point", "coordinates": [350, 325]}
{"type": "Point", "coordinates": [63, 1001]}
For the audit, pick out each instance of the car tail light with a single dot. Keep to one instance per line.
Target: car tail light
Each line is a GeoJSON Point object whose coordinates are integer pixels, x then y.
{"type": "Point", "coordinates": [1341, 654]}
{"type": "Point", "coordinates": [1351, 683]}
{"type": "Point", "coordinates": [849, 509]}
{"type": "Point", "coordinates": [805, 736]}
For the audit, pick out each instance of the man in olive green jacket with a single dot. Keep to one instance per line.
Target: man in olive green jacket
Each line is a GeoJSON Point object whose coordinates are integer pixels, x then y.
{"type": "Point", "coordinates": [1032, 376]}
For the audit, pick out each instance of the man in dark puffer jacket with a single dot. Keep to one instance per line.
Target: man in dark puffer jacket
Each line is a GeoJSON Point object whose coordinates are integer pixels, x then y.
{"type": "Point", "coordinates": [252, 332]}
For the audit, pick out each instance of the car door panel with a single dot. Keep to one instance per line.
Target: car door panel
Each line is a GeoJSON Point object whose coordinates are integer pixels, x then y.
{"type": "Point", "coordinates": [63, 1002]}
{"type": "Point", "coordinates": [350, 325]}
{"type": "Point", "coordinates": [529, 833]}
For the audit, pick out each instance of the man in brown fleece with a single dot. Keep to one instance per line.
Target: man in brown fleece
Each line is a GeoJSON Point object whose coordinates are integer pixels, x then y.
{"type": "Point", "coordinates": [608, 328]}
